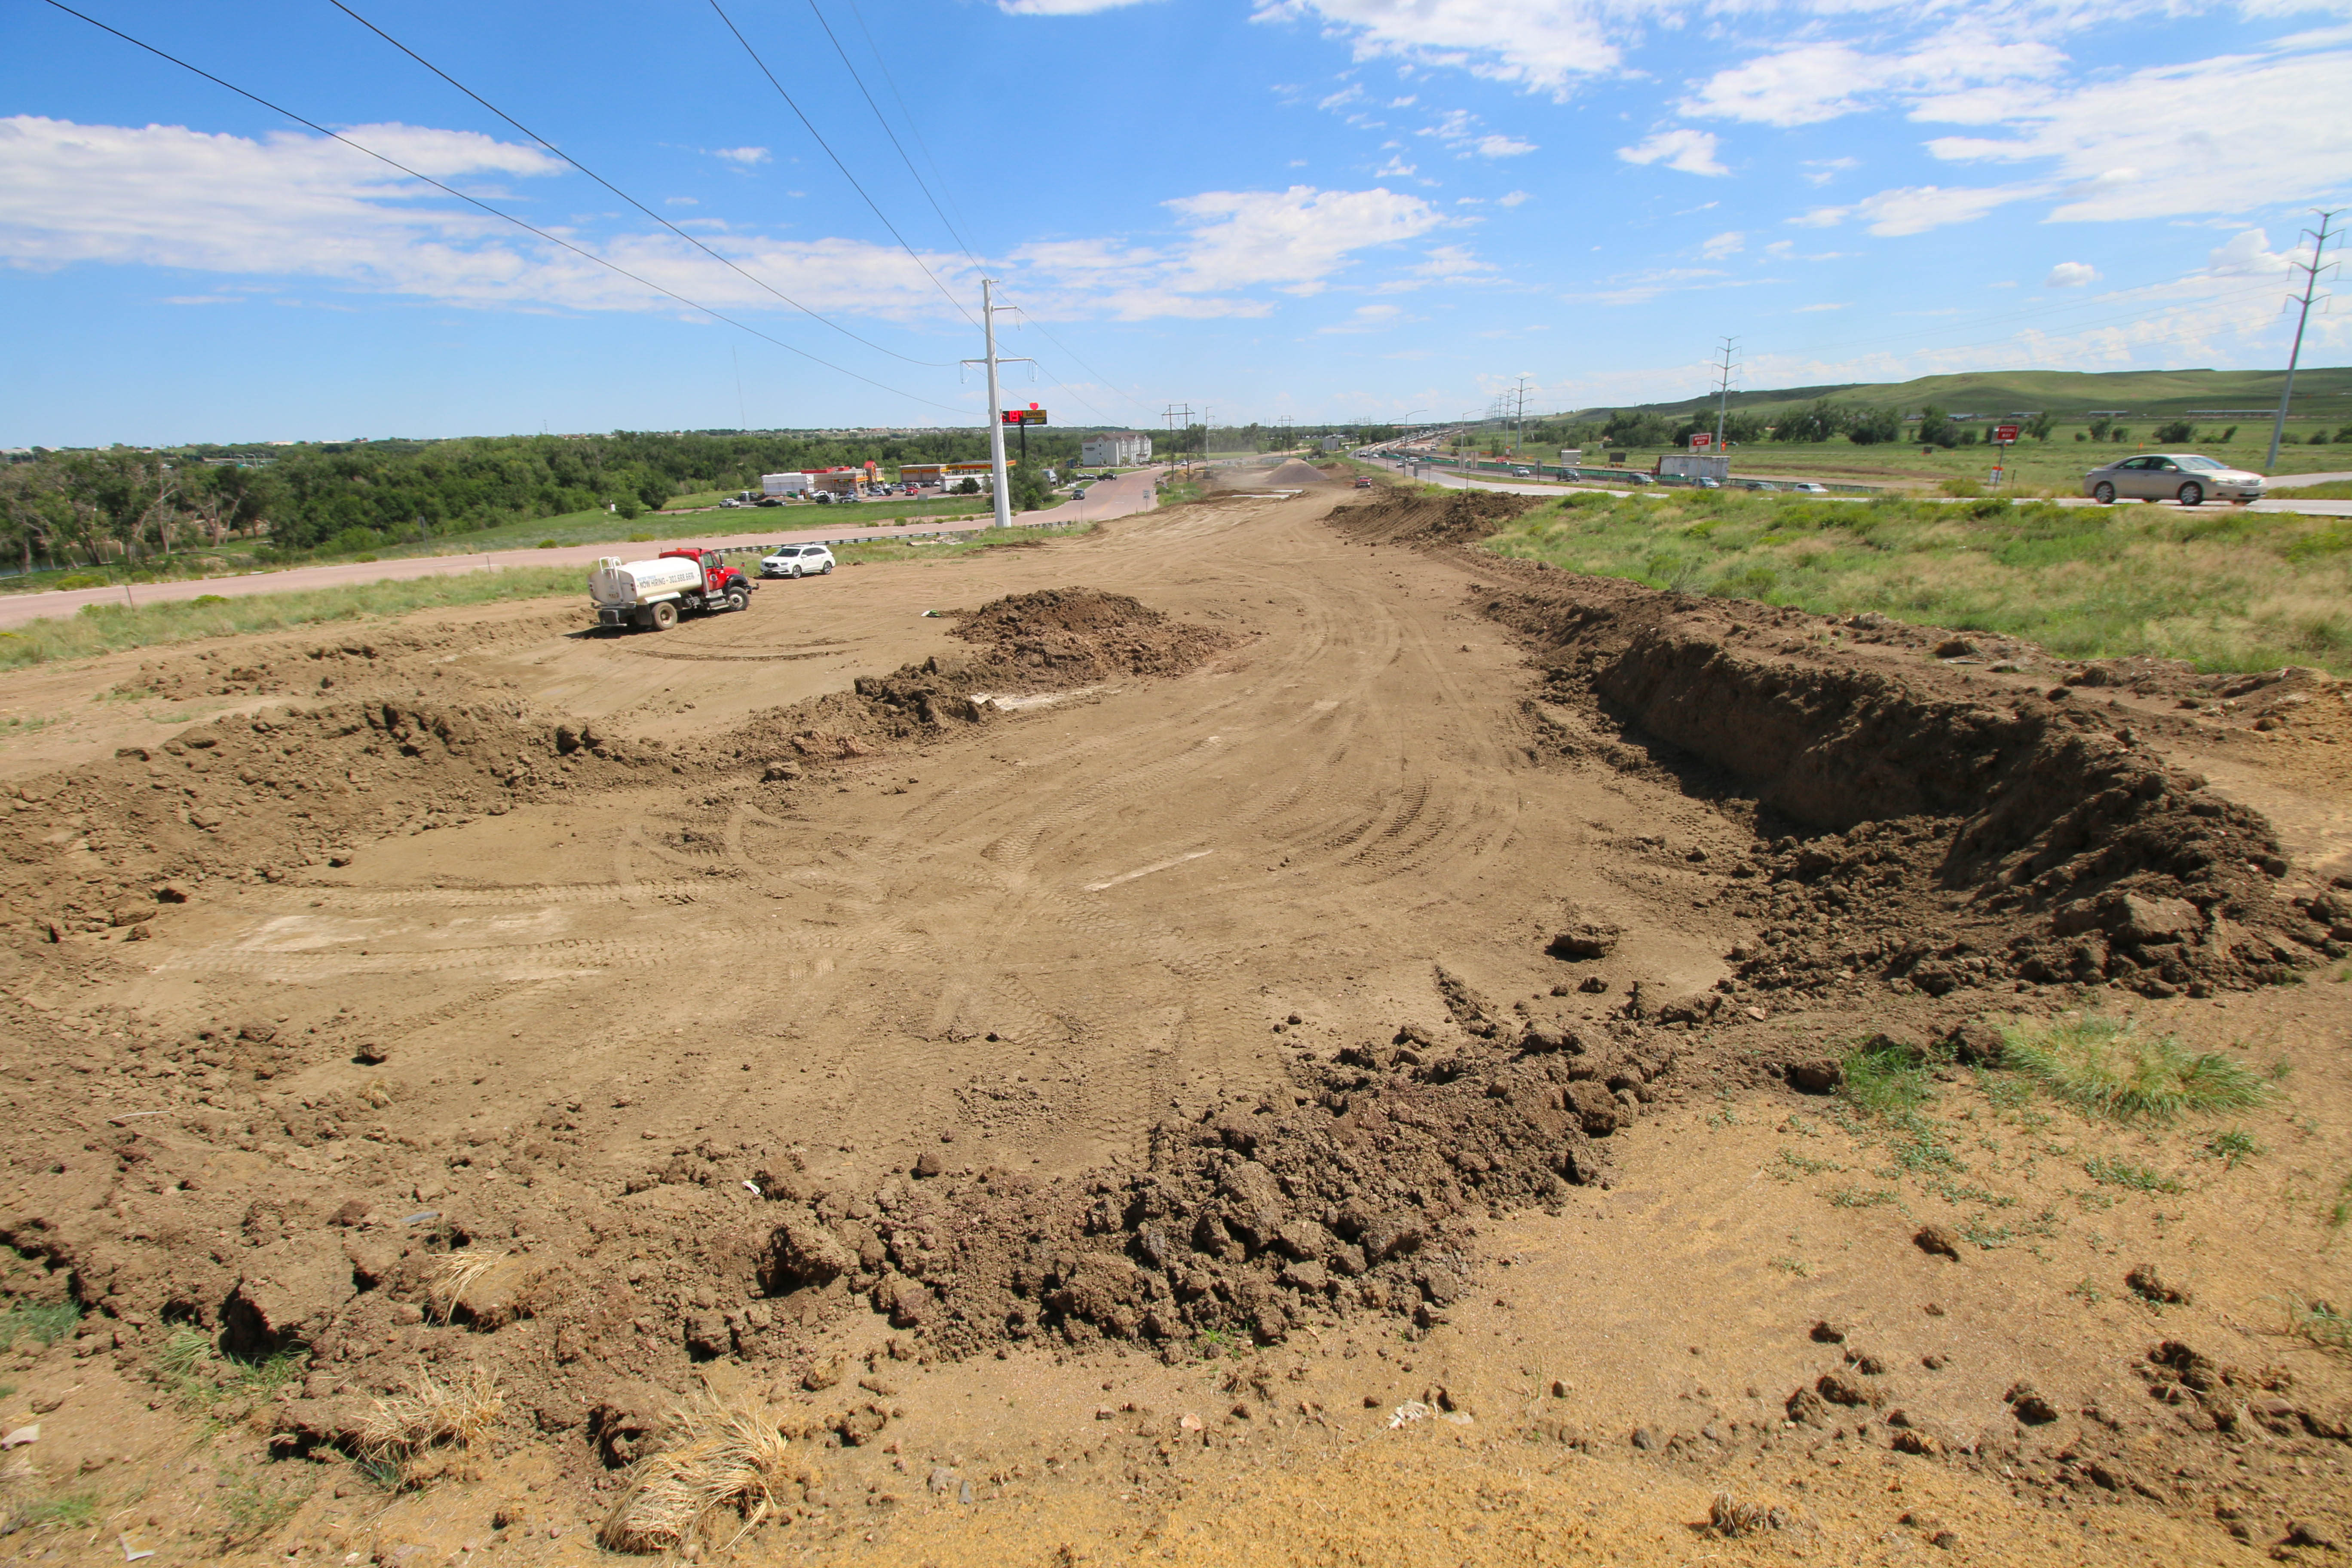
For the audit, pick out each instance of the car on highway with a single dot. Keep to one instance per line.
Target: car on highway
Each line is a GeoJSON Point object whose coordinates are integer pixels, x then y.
{"type": "Point", "coordinates": [797, 561]}
{"type": "Point", "coordinates": [2190, 477]}
{"type": "Point", "coordinates": [1807, 487]}
{"type": "Point", "coordinates": [1522, 473]}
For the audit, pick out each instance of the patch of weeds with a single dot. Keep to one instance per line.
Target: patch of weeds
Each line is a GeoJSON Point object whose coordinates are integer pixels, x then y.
{"type": "Point", "coordinates": [48, 1323]}
{"type": "Point", "coordinates": [2005, 1093]}
{"type": "Point", "coordinates": [2089, 1294]}
{"type": "Point", "coordinates": [2319, 1322]}
{"type": "Point", "coordinates": [1853, 1195]}
{"type": "Point", "coordinates": [1884, 1079]}
{"type": "Point", "coordinates": [68, 1511]}
{"type": "Point", "coordinates": [1723, 1118]}
{"type": "Point", "coordinates": [191, 1369]}
{"type": "Point", "coordinates": [2119, 1173]}
{"type": "Point", "coordinates": [1792, 1122]}
{"type": "Point", "coordinates": [1990, 1237]}
{"type": "Point", "coordinates": [2232, 1146]}
{"type": "Point", "coordinates": [2093, 1203]}
{"type": "Point", "coordinates": [2105, 1068]}
{"type": "Point", "coordinates": [1795, 1265]}
{"type": "Point", "coordinates": [1956, 1194]}
{"type": "Point", "coordinates": [1793, 1165]}
{"type": "Point", "coordinates": [1919, 1147]}
{"type": "Point", "coordinates": [2280, 1068]}
{"type": "Point", "coordinates": [2342, 1209]}
{"type": "Point", "coordinates": [250, 1509]}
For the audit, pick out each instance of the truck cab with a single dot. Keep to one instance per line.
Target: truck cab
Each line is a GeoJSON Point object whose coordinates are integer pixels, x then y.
{"type": "Point", "coordinates": [653, 593]}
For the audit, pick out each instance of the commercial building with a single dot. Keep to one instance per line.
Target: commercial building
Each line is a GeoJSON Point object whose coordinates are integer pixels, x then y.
{"type": "Point", "coordinates": [1118, 449]}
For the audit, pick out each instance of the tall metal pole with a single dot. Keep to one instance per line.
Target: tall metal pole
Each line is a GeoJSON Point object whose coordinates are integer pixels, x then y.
{"type": "Point", "coordinates": [1723, 394]}
{"type": "Point", "coordinates": [995, 410]}
{"type": "Point", "coordinates": [2310, 284]}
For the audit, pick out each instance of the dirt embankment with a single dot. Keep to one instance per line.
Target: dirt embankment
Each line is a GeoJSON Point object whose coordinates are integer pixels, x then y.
{"type": "Point", "coordinates": [1915, 827]}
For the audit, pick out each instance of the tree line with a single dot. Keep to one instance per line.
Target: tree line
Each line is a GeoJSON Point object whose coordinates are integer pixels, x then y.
{"type": "Point", "coordinates": [142, 508]}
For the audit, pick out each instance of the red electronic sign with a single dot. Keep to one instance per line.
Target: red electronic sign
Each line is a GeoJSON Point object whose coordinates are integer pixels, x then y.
{"type": "Point", "coordinates": [2004, 435]}
{"type": "Point", "coordinates": [1032, 415]}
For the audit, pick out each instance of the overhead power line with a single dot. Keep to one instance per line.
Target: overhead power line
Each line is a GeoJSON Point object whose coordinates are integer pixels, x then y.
{"type": "Point", "coordinates": [881, 120]}
{"type": "Point", "coordinates": [666, 223]}
{"type": "Point", "coordinates": [914, 129]}
{"type": "Point", "coordinates": [821, 142]}
{"type": "Point", "coordinates": [505, 216]}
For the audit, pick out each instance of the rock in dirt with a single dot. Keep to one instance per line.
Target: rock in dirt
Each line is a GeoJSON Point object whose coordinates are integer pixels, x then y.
{"type": "Point", "coordinates": [1596, 1109]}
{"type": "Point", "coordinates": [290, 1292]}
{"type": "Point", "coordinates": [1935, 1239]}
{"type": "Point", "coordinates": [2027, 1404]}
{"type": "Point", "coordinates": [802, 1252]}
{"type": "Point", "coordinates": [1815, 1075]}
{"type": "Point", "coordinates": [1584, 941]}
{"type": "Point", "coordinates": [2147, 1282]}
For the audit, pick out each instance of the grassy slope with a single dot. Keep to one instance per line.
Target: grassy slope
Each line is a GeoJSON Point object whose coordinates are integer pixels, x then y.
{"type": "Point", "coordinates": [2223, 589]}
{"type": "Point", "coordinates": [2319, 392]}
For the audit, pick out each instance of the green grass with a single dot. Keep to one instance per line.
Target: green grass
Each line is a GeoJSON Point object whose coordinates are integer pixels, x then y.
{"type": "Point", "coordinates": [1884, 1079]}
{"type": "Point", "coordinates": [2108, 1071]}
{"type": "Point", "coordinates": [954, 546]}
{"type": "Point", "coordinates": [191, 1368]}
{"type": "Point", "coordinates": [71, 1510]}
{"type": "Point", "coordinates": [48, 1324]}
{"type": "Point", "coordinates": [2118, 1173]}
{"type": "Point", "coordinates": [110, 628]}
{"type": "Point", "coordinates": [2232, 1146]}
{"type": "Point", "coordinates": [2223, 589]}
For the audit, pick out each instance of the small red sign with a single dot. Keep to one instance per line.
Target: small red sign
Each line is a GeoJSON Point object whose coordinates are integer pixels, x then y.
{"type": "Point", "coordinates": [1032, 415]}
{"type": "Point", "coordinates": [2004, 435]}
{"type": "Point", "coordinates": [1701, 440]}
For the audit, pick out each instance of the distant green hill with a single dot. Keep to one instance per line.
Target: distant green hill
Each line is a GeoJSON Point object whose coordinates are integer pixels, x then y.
{"type": "Point", "coordinates": [2320, 393]}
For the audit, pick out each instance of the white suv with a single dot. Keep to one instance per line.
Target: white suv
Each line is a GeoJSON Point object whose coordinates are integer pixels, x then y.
{"type": "Point", "coordinates": [797, 561]}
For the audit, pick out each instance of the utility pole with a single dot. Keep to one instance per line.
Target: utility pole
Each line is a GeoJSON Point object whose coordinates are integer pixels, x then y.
{"type": "Point", "coordinates": [1722, 390]}
{"type": "Point", "coordinates": [2310, 284]}
{"type": "Point", "coordinates": [1520, 432]}
{"type": "Point", "coordinates": [997, 481]}
{"type": "Point", "coordinates": [1176, 431]}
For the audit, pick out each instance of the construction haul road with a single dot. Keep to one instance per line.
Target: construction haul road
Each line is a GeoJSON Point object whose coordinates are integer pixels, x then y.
{"type": "Point", "coordinates": [1246, 1037]}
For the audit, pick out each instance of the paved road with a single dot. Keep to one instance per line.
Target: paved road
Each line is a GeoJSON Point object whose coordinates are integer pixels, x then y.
{"type": "Point", "coordinates": [1112, 498]}
{"type": "Point", "coordinates": [2271, 503]}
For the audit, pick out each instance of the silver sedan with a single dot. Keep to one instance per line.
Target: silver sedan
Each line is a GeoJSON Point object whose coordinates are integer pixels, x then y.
{"type": "Point", "coordinates": [2186, 477]}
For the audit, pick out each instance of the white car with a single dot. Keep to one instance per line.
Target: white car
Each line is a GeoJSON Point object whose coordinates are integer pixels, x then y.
{"type": "Point", "coordinates": [1807, 487]}
{"type": "Point", "coordinates": [797, 561]}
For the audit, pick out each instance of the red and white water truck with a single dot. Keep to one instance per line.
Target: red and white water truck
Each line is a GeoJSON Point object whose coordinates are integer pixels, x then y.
{"type": "Point", "coordinates": [653, 592]}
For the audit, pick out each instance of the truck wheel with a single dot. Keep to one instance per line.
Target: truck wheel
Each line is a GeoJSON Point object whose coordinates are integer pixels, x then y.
{"type": "Point", "coordinates": [737, 600]}
{"type": "Point", "coordinates": [665, 615]}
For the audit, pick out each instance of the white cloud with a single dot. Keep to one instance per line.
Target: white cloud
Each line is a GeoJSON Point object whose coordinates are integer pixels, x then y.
{"type": "Point", "coordinates": [1512, 200]}
{"type": "Point", "coordinates": [1915, 209]}
{"type": "Point", "coordinates": [1293, 241]}
{"type": "Point", "coordinates": [2220, 136]}
{"type": "Point", "coordinates": [680, 202]}
{"type": "Point", "coordinates": [1458, 129]}
{"type": "Point", "coordinates": [1692, 152]}
{"type": "Point", "coordinates": [1811, 310]}
{"type": "Point", "coordinates": [1365, 318]}
{"type": "Point", "coordinates": [2249, 255]}
{"type": "Point", "coordinates": [1821, 171]}
{"type": "Point", "coordinates": [1541, 44]}
{"type": "Point", "coordinates": [1731, 242]}
{"type": "Point", "coordinates": [1808, 82]}
{"type": "Point", "coordinates": [743, 157]}
{"type": "Point", "coordinates": [1351, 93]}
{"type": "Point", "coordinates": [1405, 102]}
{"type": "Point", "coordinates": [1396, 168]}
{"type": "Point", "coordinates": [2070, 275]}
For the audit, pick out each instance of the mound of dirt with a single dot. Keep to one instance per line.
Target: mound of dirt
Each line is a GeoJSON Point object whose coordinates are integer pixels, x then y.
{"type": "Point", "coordinates": [1077, 635]}
{"type": "Point", "coordinates": [1419, 517]}
{"type": "Point", "coordinates": [1293, 473]}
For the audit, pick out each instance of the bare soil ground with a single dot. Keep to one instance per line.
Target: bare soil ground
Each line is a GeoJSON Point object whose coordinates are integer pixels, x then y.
{"type": "Point", "coordinates": [1258, 1035]}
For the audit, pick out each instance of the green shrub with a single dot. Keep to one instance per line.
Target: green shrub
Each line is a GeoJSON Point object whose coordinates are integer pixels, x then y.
{"type": "Point", "coordinates": [48, 1324]}
{"type": "Point", "coordinates": [1883, 1077]}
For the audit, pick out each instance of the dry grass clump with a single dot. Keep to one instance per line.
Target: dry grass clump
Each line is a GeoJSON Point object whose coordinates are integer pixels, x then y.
{"type": "Point", "coordinates": [403, 1427]}
{"type": "Point", "coordinates": [455, 1274]}
{"type": "Point", "coordinates": [1732, 1516]}
{"type": "Point", "coordinates": [721, 1457]}
{"type": "Point", "coordinates": [2107, 1067]}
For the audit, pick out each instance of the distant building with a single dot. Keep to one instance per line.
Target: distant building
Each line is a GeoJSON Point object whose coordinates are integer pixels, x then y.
{"type": "Point", "coordinates": [1120, 449]}
{"type": "Point", "coordinates": [1335, 443]}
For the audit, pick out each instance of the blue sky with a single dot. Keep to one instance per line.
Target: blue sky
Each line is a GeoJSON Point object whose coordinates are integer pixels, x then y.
{"type": "Point", "coordinates": [1327, 209]}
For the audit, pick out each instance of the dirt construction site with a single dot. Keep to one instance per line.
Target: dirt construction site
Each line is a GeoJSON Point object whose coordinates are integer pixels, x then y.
{"type": "Point", "coordinates": [1260, 1034]}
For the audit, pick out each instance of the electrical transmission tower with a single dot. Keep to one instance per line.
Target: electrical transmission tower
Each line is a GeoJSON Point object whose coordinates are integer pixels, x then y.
{"type": "Point", "coordinates": [1724, 368]}
{"type": "Point", "coordinates": [2310, 287]}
